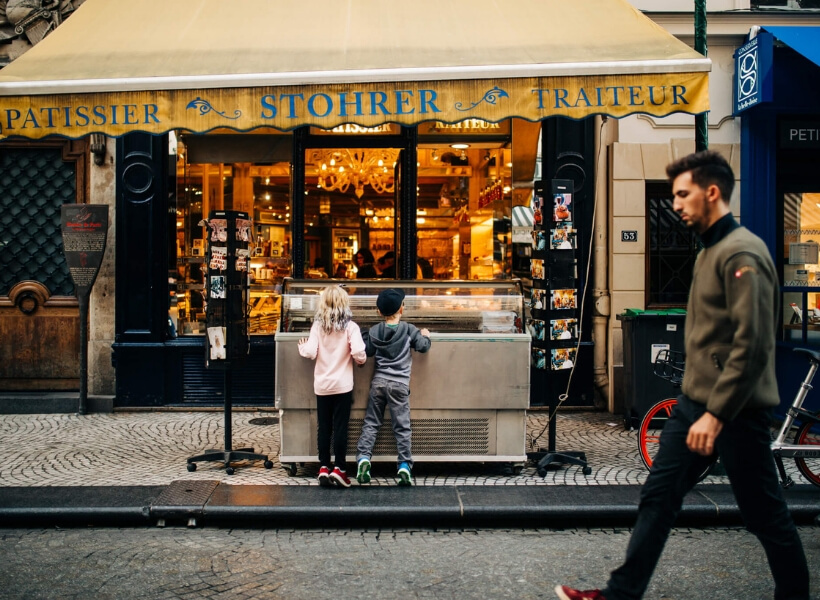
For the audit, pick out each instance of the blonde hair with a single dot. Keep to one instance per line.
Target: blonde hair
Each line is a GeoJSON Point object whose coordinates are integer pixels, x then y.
{"type": "Point", "coordinates": [333, 310]}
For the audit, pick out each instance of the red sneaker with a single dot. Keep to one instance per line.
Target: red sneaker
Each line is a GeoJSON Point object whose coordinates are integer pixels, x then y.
{"type": "Point", "coordinates": [324, 477]}
{"type": "Point", "coordinates": [339, 478]}
{"type": "Point", "coordinates": [567, 593]}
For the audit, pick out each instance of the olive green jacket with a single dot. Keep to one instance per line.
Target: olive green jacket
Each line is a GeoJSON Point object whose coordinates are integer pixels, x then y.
{"type": "Point", "coordinates": [731, 320]}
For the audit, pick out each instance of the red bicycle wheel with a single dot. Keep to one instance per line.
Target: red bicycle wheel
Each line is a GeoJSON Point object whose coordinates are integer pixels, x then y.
{"type": "Point", "coordinates": [649, 433]}
{"type": "Point", "coordinates": [809, 435]}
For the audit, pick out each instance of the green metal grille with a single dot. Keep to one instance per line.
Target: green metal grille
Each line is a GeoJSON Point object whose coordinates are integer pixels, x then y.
{"type": "Point", "coordinates": [34, 183]}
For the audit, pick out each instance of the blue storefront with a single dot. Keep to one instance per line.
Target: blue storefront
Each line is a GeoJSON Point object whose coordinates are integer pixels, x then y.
{"type": "Point", "coordinates": [777, 87]}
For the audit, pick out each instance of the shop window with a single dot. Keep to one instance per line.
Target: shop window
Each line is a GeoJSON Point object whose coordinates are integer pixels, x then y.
{"type": "Point", "coordinates": [671, 250]}
{"type": "Point", "coordinates": [260, 189]}
{"type": "Point", "coordinates": [34, 183]}
{"type": "Point", "coordinates": [801, 267]}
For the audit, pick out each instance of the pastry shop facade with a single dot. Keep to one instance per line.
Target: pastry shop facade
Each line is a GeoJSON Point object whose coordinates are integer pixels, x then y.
{"type": "Point", "coordinates": [362, 141]}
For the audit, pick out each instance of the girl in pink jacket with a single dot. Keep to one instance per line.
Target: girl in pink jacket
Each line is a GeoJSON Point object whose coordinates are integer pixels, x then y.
{"type": "Point", "coordinates": [335, 342]}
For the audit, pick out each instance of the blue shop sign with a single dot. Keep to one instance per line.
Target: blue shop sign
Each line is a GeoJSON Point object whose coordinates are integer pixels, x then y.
{"type": "Point", "coordinates": [753, 72]}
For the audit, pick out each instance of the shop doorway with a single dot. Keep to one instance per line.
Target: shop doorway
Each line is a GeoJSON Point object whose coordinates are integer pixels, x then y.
{"type": "Point", "coordinates": [352, 208]}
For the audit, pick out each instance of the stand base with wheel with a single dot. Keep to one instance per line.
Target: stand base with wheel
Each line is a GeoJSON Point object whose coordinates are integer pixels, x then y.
{"type": "Point", "coordinates": [553, 459]}
{"type": "Point", "coordinates": [563, 458]}
{"type": "Point", "coordinates": [228, 455]}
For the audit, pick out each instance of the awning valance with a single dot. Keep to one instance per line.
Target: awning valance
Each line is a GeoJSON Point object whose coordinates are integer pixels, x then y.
{"type": "Point", "coordinates": [805, 40]}
{"type": "Point", "coordinates": [117, 66]}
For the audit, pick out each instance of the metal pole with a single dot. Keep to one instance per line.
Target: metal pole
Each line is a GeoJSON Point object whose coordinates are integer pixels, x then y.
{"type": "Point", "coordinates": [297, 203]}
{"type": "Point", "coordinates": [702, 119]}
{"type": "Point", "coordinates": [81, 409]}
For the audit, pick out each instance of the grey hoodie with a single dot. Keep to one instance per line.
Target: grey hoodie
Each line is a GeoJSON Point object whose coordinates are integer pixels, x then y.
{"type": "Point", "coordinates": [391, 347]}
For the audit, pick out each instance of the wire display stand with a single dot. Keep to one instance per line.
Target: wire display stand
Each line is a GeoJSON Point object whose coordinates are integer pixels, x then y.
{"type": "Point", "coordinates": [555, 311]}
{"type": "Point", "coordinates": [227, 342]}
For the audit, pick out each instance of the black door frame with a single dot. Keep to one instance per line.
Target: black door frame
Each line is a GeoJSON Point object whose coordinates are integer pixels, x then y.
{"type": "Point", "coordinates": [407, 141]}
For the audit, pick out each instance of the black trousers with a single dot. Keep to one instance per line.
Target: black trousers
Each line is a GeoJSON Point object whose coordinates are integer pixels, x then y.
{"type": "Point", "coordinates": [333, 414]}
{"type": "Point", "coordinates": [744, 449]}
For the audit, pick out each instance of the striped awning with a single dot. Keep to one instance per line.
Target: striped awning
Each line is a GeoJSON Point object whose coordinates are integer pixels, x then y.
{"type": "Point", "coordinates": [116, 66]}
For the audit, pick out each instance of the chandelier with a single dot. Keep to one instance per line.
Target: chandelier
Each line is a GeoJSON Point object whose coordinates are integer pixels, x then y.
{"type": "Point", "coordinates": [341, 168]}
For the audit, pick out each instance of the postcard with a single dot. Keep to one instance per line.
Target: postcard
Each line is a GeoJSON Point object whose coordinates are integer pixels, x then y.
{"type": "Point", "coordinates": [564, 329]}
{"type": "Point", "coordinates": [564, 299]}
{"type": "Point", "coordinates": [242, 255]}
{"type": "Point", "coordinates": [539, 358]}
{"type": "Point", "coordinates": [216, 339]}
{"type": "Point", "coordinates": [219, 230]}
{"type": "Point", "coordinates": [537, 328]}
{"type": "Point", "coordinates": [562, 358]}
{"type": "Point", "coordinates": [561, 207]}
{"type": "Point", "coordinates": [538, 299]}
{"type": "Point", "coordinates": [219, 258]}
{"type": "Point", "coordinates": [539, 240]}
{"type": "Point", "coordinates": [217, 286]}
{"type": "Point", "coordinates": [537, 268]}
{"type": "Point", "coordinates": [563, 237]}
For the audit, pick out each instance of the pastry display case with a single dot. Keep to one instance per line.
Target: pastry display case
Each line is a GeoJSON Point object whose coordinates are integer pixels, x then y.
{"type": "Point", "coordinates": [468, 394]}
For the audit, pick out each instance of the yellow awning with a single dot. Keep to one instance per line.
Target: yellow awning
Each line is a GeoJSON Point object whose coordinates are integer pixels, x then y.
{"type": "Point", "coordinates": [117, 66]}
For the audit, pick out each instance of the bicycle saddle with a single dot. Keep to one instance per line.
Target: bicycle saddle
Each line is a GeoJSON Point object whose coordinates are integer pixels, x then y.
{"type": "Point", "coordinates": [812, 355]}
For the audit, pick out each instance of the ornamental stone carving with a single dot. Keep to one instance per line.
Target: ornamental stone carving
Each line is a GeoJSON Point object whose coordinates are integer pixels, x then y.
{"type": "Point", "coordinates": [24, 23]}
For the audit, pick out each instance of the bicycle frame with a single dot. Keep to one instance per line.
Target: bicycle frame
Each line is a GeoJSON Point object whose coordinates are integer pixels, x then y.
{"type": "Point", "coordinates": [779, 447]}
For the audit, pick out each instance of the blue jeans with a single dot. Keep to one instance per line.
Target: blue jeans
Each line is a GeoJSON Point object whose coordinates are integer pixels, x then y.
{"type": "Point", "coordinates": [744, 449]}
{"type": "Point", "coordinates": [384, 392]}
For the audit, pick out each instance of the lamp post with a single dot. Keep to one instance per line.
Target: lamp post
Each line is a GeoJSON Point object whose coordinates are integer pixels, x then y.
{"type": "Point", "coordinates": [702, 119]}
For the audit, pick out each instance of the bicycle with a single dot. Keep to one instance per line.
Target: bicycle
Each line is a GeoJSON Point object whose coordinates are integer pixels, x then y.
{"type": "Point", "coordinates": [805, 449]}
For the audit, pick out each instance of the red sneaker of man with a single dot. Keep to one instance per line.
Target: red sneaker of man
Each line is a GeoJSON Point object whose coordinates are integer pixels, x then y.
{"type": "Point", "coordinates": [567, 593]}
{"type": "Point", "coordinates": [324, 477]}
{"type": "Point", "coordinates": [339, 478]}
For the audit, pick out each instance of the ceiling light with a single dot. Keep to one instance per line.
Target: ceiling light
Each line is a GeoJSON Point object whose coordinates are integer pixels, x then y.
{"type": "Point", "coordinates": [356, 167]}
{"type": "Point", "coordinates": [420, 220]}
{"type": "Point", "coordinates": [460, 146]}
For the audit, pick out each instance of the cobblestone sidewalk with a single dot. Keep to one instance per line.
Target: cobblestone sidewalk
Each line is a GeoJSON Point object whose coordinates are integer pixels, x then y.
{"type": "Point", "coordinates": [151, 448]}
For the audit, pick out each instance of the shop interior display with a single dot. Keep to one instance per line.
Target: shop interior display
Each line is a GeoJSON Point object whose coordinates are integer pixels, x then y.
{"type": "Point", "coordinates": [465, 196]}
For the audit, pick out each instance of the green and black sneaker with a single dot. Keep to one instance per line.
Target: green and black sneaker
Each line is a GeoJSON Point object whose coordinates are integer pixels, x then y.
{"type": "Point", "coordinates": [363, 473]}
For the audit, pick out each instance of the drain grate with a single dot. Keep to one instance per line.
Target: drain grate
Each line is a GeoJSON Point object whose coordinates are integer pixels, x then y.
{"type": "Point", "coordinates": [265, 421]}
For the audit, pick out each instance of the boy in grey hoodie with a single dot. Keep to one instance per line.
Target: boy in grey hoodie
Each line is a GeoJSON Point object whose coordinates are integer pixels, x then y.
{"type": "Point", "coordinates": [390, 342]}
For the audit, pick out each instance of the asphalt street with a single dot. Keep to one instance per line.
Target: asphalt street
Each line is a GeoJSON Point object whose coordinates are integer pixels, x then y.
{"type": "Point", "coordinates": [170, 563]}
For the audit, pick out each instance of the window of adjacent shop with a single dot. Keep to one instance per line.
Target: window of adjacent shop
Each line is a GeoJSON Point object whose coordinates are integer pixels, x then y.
{"type": "Point", "coordinates": [801, 266]}
{"type": "Point", "coordinates": [798, 206]}
{"type": "Point", "coordinates": [671, 249]}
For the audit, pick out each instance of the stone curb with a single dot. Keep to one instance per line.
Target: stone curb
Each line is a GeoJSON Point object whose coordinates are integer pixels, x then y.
{"type": "Point", "coordinates": [210, 502]}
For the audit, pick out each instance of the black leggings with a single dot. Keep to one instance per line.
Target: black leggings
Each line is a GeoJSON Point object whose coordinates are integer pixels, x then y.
{"type": "Point", "coordinates": [333, 414]}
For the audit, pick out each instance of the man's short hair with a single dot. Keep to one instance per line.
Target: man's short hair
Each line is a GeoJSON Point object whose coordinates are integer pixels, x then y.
{"type": "Point", "coordinates": [707, 168]}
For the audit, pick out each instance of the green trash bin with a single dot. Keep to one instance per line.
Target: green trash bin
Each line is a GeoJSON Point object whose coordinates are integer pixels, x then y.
{"type": "Point", "coordinates": [645, 334]}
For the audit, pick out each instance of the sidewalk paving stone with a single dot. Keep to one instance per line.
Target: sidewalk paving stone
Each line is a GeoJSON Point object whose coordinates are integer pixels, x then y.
{"type": "Point", "coordinates": [151, 448]}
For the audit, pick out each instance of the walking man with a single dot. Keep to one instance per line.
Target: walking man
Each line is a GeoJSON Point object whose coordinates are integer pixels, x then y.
{"type": "Point", "coordinates": [729, 389]}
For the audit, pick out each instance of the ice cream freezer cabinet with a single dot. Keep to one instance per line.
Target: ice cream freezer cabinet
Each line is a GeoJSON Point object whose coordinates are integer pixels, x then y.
{"type": "Point", "coordinates": [468, 395]}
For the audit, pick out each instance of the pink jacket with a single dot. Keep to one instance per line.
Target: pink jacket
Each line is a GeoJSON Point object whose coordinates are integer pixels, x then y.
{"type": "Point", "coordinates": [333, 352]}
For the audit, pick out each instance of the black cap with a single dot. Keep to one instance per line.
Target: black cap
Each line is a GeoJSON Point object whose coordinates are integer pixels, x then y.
{"type": "Point", "coordinates": [389, 302]}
